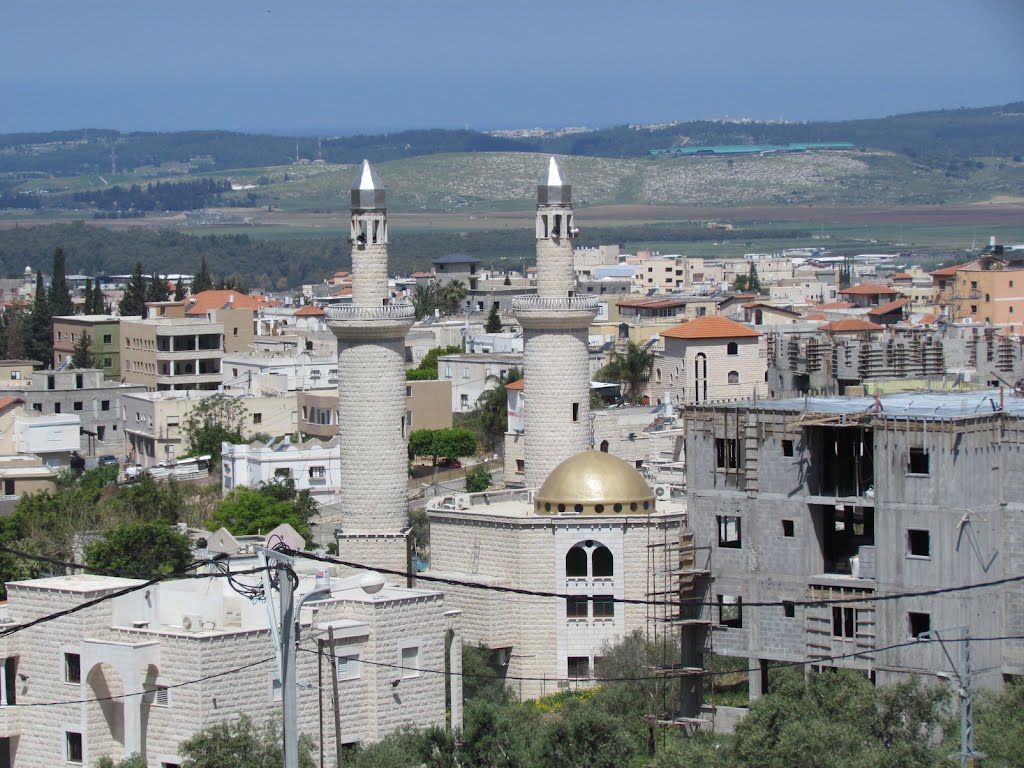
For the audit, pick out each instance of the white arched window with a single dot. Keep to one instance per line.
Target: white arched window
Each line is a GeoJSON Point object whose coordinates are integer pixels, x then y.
{"type": "Point", "coordinates": [734, 377]}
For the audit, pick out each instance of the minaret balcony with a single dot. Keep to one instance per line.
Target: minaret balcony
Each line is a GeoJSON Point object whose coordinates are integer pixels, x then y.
{"type": "Point", "coordinates": [384, 312]}
{"type": "Point", "coordinates": [356, 322]}
{"type": "Point", "coordinates": [558, 311]}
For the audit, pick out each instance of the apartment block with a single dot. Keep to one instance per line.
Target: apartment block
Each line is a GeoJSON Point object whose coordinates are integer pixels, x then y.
{"type": "Point", "coordinates": [166, 352]}
{"type": "Point", "coordinates": [104, 332]}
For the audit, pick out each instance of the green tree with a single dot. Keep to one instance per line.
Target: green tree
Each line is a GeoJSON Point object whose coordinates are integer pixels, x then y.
{"type": "Point", "coordinates": [753, 281]}
{"type": "Point", "coordinates": [450, 296]}
{"type": "Point", "coordinates": [241, 744]}
{"type": "Point", "coordinates": [427, 369]}
{"type": "Point", "coordinates": [143, 547]}
{"type": "Point", "coordinates": [179, 289]}
{"type": "Point", "coordinates": [95, 303]}
{"type": "Point", "coordinates": [998, 727]}
{"type": "Point", "coordinates": [493, 405]}
{"type": "Point", "coordinates": [216, 419]}
{"type": "Point", "coordinates": [422, 298]}
{"type": "Point", "coordinates": [247, 511]}
{"type": "Point", "coordinates": [157, 288]}
{"type": "Point", "coordinates": [478, 479]}
{"type": "Point", "coordinates": [202, 281]}
{"type": "Point", "coordinates": [845, 274]}
{"type": "Point", "coordinates": [147, 499]}
{"type": "Point", "coordinates": [447, 443]}
{"type": "Point", "coordinates": [38, 331]}
{"type": "Point", "coordinates": [82, 356]}
{"type": "Point", "coordinates": [586, 737]}
{"type": "Point", "coordinates": [60, 297]}
{"type": "Point", "coordinates": [134, 761]}
{"type": "Point", "coordinates": [740, 283]}
{"type": "Point", "coordinates": [632, 369]}
{"type": "Point", "coordinates": [133, 303]}
{"type": "Point", "coordinates": [493, 322]}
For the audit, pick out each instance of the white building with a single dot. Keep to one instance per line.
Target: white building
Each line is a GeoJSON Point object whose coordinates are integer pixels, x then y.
{"type": "Point", "coordinates": [52, 436]}
{"type": "Point", "coordinates": [473, 374]}
{"type": "Point", "coordinates": [314, 466]}
{"type": "Point", "coordinates": [144, 671]}
{"type": "Point", "coordinates": [301, 370]}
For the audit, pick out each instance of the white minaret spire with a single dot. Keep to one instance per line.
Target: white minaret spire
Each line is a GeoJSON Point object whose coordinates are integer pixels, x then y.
{"type": "Point", "coordinates": [555, 323]}
{"type": "Point", "coordinates": [371, 392]}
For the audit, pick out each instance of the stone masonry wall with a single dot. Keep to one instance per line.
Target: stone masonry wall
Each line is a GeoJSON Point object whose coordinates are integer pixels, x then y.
{"type": "Point", "coordinates": [369, 274]}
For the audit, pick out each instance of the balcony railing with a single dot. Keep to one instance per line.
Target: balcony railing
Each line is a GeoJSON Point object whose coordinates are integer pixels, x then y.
{"type": "Point", "coordinates": [543, 304]}
{"type": "Point", "coordinates": [386, 312]}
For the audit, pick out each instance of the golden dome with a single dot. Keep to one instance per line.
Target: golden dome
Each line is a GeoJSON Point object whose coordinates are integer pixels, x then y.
{"type": "Point", "coordinates": [594, 483]}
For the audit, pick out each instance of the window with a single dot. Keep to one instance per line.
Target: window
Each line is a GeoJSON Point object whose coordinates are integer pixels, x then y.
{"type": "Point", "coordinates": [787, 447]}
{"type": "Point", "coordinates": [727, 453]}
{"type": "Point", "coordinates": [72, 668]}
{"type": "Point", "coordinates": [520, 465]}
{"type": "Point", "coordinates": [728, 531]}
{"type": "Point", "coordinates": [159, 696]}
{"type": "Point", "coordinates": [920, 623]}
{"type": "Point", "coordinates": [104, 405]}
{"type": "Point", "coordinates": [78, 380]}
{"type": "Point", "coordinates": [108, 338]}
{"type": "Point", "coordinates": [37, 407]}
{"type": "Point", "coordinates": [282, 472]}
{"type": "Point", "coordinates": [408, 391]}
{"type": "Point", "coordinates": [787, 529]}
{"type": "Point", "coordinates": [575, 411]}
{"type": "Point", "coordinates": [576, 563]}
{"type": "Point", "coordinates": [172, 421]}
{"type": "Point", "coordinates": [465, 372]}
{"type": "Point", "coordinates": [235, 332]}
{"type": "Point", "coordinates": [918, 462]}
{"type": "Point", "coordinates": [78, 405]}
{"type": "Point", "coordinates": [15, 375]}
{"type": "Point", "coordinates": [732, 348]}
{"type": "Point", "coordinates": [974, 309]}
{"type": "Point", "coordinates": [464, 401]}
{"type": "Point", "coordinates": [730, 611]}
{"type": "Point", "coordinates": [578, 666]}
{"type": "Point", "coordinates": [317, 472]}
{"type": "Point", "coordinates": [577, 607]}
{"type": "Point", "coordinates": [843, 621]}
{"type": "Point", "coordinates": [73, 746]}
{"type": "Point", "coordinates": [257, 418]}
{"type": "Point", "coordinates": [603, 563]}
{"type": "Point", "coordinates": [788, 609]}
{"type": "Point", "coordinates": [734, 377]}
{"type": "Point", "coordinates": [447, 371]}
{"type": "Point", "coordinates": [919, 543]}
{"type": "Point", "coordinates": [604, 607]}
{"type": "Point", "coordinates": [349, 667]}
{"type": "Point", "coordinates": [56, 407]}
{"type": "Point", "coordinates": [604, 446]}
{"type": "Point", "coordinates": [410, 661]}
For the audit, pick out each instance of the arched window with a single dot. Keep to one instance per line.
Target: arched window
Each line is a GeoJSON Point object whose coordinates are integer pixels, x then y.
{"type": "Point", "coordinates": [732, 348]}
{"type": "Point", "coordinates": [604, 446]}
{"type": "Point", "coordinates": [700, 377]}
{"type": "Point", "coordinates": [576, 563]}
{"type": "Point", "coordinates": [734, 377]}
{"type": "Point", "coordinates": [603, 562]}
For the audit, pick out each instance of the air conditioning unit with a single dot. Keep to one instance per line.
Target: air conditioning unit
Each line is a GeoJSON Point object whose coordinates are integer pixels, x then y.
{"type": "Point", "coordinates": [192, 622]}
{"type": "Point", "coordinates": [462, 501]}
{"type": "Point", "coordinates": [662, 491]}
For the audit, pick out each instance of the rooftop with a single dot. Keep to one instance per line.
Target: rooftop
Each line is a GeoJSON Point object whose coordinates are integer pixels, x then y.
{"type": "Point", "coordinates": [851, 325]}
{"type": "Point", "coordinates": [892, 306]}
{"type": "Point", "coordinates": [869, 289]}
{"type": "Point", "coordinates": [710, 327]}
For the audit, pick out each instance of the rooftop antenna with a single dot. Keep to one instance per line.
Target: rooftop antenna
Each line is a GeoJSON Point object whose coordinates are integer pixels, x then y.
{"type": "Point", "coordinates": [296, 150]}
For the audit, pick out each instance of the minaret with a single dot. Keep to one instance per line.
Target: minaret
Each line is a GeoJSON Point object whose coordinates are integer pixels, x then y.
{"type": "Point", "coordinates": [371, 393]}
{"type": "Point", "coordinates": [555, 324]}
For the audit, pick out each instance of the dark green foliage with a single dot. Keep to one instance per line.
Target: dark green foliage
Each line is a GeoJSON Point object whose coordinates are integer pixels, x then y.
{"type": "Point", "coordinates": [202, 280]}
{"type": "Point", "coordinates": [179, 290]}
{"type": "Point", "coordinates": [59, 296]}
{"type": "Point", "coordinates": [740, 283]}
{"type": "Point", "coordinates": [157, 289]}
{"type": "Point", "coordinates": [493, 405]}
{"type": "Point", "coordinates": [82, 356]}
{"type": "Point", "coordinates": [482, 680]}
{"type": "Point", "coordinates": [427, 369]}
{"type": "Point", "coordinates": [148, 499]}
{"type": "Point", "coordinates": [478, 479]}
{"type": "Point", "coordinates": [216, 419]}
{"type": "Point", "coordinates": [753, 281]}
{"type": "Point", "coordinates": [93, 480]}
{"type": "Point", "coordinates": [446, 298]}
{"type": "Point", "coordinates": [493, 322]}
{"type": "Point", "coordinates": [447, 443]}
{"type": "Point", "coordinates": [134, 761]}
{"type": "Point", "coordinates": [37, 333]}
{"type": "Point", "coordinates": [845, 274]}
{"type": "Point", "coordinates": [133, 303]}
{"type": "Point", "coordinates": [144, 547]}
{"type": "Point", "coordinates": [247, 511]}
{"type": "Point", "coordinates": [241, 744]}
{"type": "Point", "coordinates": [586, 738]}
{"type": "Point", "coordinates": [998, 727]}
{"type": "Point", "coordinates": [631, 369]}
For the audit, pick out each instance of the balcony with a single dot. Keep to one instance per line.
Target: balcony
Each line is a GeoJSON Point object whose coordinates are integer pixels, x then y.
{"type": "Point", "coordinates": [557, 304]}
{"type": "Point", "coordinates": [386, 312]}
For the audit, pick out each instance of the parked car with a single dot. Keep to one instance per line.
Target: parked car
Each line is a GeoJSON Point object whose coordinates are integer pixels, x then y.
{"type": "Point", "coordinates": [449, 463]}
{"type": "Point", "coordinates": [109, 460]}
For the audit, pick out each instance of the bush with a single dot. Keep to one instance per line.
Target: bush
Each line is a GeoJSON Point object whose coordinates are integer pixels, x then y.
{"type": "Point", "coordinates": [478, 479]}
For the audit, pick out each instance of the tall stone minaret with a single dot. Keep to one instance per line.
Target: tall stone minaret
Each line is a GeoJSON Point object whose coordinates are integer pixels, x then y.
{"type": "Point", "coordinates": [555, 323]}
{"type": "Point", "coordinates": [371, 393]}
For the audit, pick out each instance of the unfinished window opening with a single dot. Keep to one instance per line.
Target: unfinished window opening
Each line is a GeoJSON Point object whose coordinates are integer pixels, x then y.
{"type": "Point", "coordinates": [727, 453]}
{"type": "Point", "coordinates": [841, 460]}
{"type": "Point", "coordinates": [917, 463]}
{"type": "Point", "coordinates": [845, 530]}
{"type": "Point", "coordinates": [729, 531]}
{"type": "Point", "coordinates": [576, 563]}
{"type": "Point", "coordinates": [843, 621]}
{"type": "Point", "coordinates": [787, 447]}
{"type": "Point", "coordinates": [603, 562]}
{"type": "Point", "coordinates": [919, 543]}
{"type": "Point", "coordinates": [700, 378]}
{"type": "Point", "coordinates": [578, 667]}
{"type": "Point", "coordinates": [920, 623]}
{"type": "Point", "coordinates": [788, 529]}
{"type": "Point", "coordinates": [575, 411]}
{"type": "Point", "coordinates": [788, 609]}
{"type": "Point", "coordinates": [730, 611]}
{"type": "Point", "coordinates": [604, 607]}
{"type": "Point", "coordinates": [577, 607]}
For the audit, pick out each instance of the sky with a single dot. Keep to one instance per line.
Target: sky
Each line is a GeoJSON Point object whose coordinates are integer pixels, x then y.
{"type": "Point", "coordinates": [336, 67]}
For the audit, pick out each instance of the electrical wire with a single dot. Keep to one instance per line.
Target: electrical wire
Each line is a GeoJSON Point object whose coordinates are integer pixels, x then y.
{"type": "Point", "coordinates": [808, 602]}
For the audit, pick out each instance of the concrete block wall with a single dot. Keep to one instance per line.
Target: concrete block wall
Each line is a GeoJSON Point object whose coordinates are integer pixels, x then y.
{"type": "Point", "coordinates": [375, 552]}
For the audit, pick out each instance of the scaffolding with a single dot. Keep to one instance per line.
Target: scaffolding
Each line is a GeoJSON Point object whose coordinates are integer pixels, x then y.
{"type": "Point", "coordinates": [679, 616]}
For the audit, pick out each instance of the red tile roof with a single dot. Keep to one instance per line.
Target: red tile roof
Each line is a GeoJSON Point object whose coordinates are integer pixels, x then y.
{"type": "Point", "coordinates": [837, 305]}
{"type": "Point", "coordinates": [204, 301]}
{"type": "Point", "coordinates": [850, 325]}
{"type": "Point", "coordinates": [7, 402]}
{"type": "Point", "coordinates": [517, 385]}
{"type": "Point", "coordinates": [310, 311]}
{"type": "Point", "coordinates": [772, 307]}
{"type": "Point", "coordinates": [952, 270]}
{"type": "Point", "coordinates": [421, 274]}
{"type": "Point", "coordinates": [653, 303]}
{"type": "Point", "coordinates": [815, 316]}
{"type": "Point", "coordinates": [929, 319]}
{"type": "Point", "coordinates": [892, 306]}
{"type": "Point", "coordinates": [710, 327]}
{"type": "Point", "coordinates": [868, 289]}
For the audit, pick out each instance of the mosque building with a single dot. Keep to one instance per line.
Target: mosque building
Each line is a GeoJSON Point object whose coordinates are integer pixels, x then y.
{"type": "Point", "coordinates": [587, 526]}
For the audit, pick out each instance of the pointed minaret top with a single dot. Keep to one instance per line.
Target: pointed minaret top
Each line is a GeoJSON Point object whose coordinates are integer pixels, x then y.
{"type": "Point", "coordinates": [367, 190]}
{"type": "Point", "coordinates": [553, 187]}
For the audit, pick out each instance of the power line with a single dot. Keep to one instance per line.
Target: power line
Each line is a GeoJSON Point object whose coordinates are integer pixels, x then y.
{"type": "Point", "coordinates": [661, 603]}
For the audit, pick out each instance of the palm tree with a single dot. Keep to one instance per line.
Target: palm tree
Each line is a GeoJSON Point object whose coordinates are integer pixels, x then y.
{"type": "Point", "coordinates": [632, 369]}
{"type": "Point", "coordinates": [493, 404]}
{"type": "Point", "coordinates": [450, 296]}
{"type": "Point", "coordinates": [422, 298]}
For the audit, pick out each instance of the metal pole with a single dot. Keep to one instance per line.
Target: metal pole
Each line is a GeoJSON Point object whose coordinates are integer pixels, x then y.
{"type": "Point", "coordinates": [334, 686]}
{"type": "Point", "coordinates": [289, 691]}
{"type": "Point", "coordinates": [966, 708]}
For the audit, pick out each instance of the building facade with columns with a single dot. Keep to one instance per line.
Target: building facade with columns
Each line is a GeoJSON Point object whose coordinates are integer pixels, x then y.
{"type": "Point", "coordinates": [371, 397]}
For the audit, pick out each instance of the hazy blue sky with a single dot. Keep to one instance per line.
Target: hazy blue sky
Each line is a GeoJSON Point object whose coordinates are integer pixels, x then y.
{"type": "Point", "coordinates": [335, 66]}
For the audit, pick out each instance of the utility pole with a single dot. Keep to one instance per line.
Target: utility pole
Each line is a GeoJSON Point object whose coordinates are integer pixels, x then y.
{"type": "Point", "coordinates": [963, 691]}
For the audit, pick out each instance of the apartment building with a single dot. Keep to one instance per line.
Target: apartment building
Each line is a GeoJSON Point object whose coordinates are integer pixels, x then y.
{"type": "Point", "coordinates": [313, 466]}
{"type": "Point", "coordinates": [104, 332]}
{"type": "Point", "coordinates": [165, 352]}
{"type": "Point", "coordinates": [471, 375]}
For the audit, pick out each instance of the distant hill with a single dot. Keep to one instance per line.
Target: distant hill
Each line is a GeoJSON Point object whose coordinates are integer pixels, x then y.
{"type": "Point", "coordinates": [940, 139]}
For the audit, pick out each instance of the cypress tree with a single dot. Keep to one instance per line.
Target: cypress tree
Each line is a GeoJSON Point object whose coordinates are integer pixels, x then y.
{"type": "Point", "coordinates": [157, 289]}
{"type": "Point", "coordinates": [82, 357]}
{"type": "Point", "coordinates": [98, 305]}
{"type": "Point", "coordinates": [179, 290]}
{"type": "Point", "coordinates": [134, 300]}
{"type": "Point", "coordinates": [493, 322]}
{"type": "Point", "coordinates": [60, 297]}
{"type": "Point", "coordinates": [38, 333]}
{"type": "Point", "coordinates": [202, 280]}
